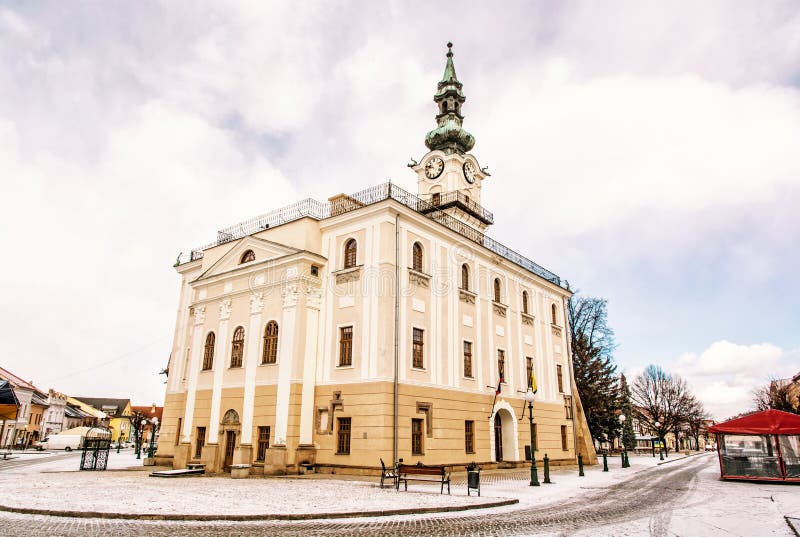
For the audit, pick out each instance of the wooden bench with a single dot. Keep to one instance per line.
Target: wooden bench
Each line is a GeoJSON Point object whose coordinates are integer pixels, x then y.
{"type": "Point", "coordinates": [388, 473]}
{"type": "Point", "coordinates": [419, 471]}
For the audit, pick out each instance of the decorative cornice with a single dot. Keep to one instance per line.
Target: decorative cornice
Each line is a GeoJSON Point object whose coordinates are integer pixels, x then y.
{"type": "Point", "coordinates": [347, 275]}
{"type": "Point", "coordinates": [256, 303]}
{"type": "Point", "coordinates": [290, 296]}
{"type": "Point", "coordinates": [499, 308]}
{"type": "Point", "coordinates": [199, 315]}
{"type": "Point", "coordinates": [225, 310]}
{"type": "Point", "coordinates": [466, 296]}
{"type": "Point", "coordinates": [556, 330]}
{"type": "Point", "coordinates": [419, 278]}
{"type": "Point", "coordinates": [527, 319]}
{"type": "Point", "coordinates": [314, 298]}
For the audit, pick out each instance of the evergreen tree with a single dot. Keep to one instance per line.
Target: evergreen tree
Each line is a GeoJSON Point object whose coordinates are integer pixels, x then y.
{"type": "Point", "coordinates": [595, 372]}
{"type": "Point", "coordinates": [628, 434]}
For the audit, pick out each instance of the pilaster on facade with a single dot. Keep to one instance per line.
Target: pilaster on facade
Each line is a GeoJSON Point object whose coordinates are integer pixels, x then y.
{"type": "Point", "coordinates": [285, 362]}
{"type": "Point", "coordinates": [194, 371]}
{"type": "Point", "coordinates": [251, 360]}
{"type": "Point", "coordinates": [219, 369]}
{"type": "Point", "coordinates": [307, 410]}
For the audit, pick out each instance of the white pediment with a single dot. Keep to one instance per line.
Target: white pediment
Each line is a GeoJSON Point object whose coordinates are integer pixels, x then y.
{"type": "Point", "coordinates": [263, 250]}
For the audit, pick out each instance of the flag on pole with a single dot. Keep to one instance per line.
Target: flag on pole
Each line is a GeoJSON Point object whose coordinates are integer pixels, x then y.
{"type": "Point", "coordinates": [499, 382]}
{"type": "Point", "coordinates": [533, 380]}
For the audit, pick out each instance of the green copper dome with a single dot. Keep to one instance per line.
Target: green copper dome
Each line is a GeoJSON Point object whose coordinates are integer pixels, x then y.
{"type": "Point", "coordinates": [449, 135]}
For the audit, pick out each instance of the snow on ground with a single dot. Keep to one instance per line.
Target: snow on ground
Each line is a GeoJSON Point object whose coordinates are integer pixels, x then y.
{"type": "Point", "coordinates": [716, 507]}
{"type": "Point", "coordinates": [55, 483]}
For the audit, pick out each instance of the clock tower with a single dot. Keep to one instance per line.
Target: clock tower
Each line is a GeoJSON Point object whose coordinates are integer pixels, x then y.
{"type": "Point", "coordinates": [448, 177]}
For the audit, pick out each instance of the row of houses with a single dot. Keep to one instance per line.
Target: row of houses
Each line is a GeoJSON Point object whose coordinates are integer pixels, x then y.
{"type": "Point", "coordinates": [42, 413]}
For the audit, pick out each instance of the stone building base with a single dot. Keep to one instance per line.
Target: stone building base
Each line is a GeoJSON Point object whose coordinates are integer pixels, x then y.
{"type": "Point", "coordinates": [275, 461]}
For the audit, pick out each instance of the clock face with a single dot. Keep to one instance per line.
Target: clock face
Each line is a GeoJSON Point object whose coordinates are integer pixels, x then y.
{"type": "Point", "coordinates": [469, 172]}
{"type": "Point", "coordinates": [433, 168]}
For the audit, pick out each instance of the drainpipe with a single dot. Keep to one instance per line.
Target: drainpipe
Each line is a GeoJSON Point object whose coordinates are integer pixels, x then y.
{"type": "Point", "coordinates": [568, 337]}
{"type": "Point", "coordinates": [396, 331]}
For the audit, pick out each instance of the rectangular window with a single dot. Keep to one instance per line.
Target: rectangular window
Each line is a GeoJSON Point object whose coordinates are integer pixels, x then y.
{"type": "Point", "coordinates": [416, 436]}
{"type": "Point", "coordinates": [528, 369]}
{"type": "Point", "coordinates": [564, 437]}
{"type": "Point", "coordinates": [568, 407]}
{"type": "Point", "coordinates": [199, 442]}
{"type": "Point", "coordinates": [469, 436]}
{"type": "Point", "coordinates": [417, 349]}
{"type": "Point", "coordinates": [468, 359]}
{"type": "Point", "coordinates": [263, 443]}
{"type": "Point", "coordinates": [178, 432]}
{"type": "Point", "coordinates": [501, 365]}
{"type": "Point", "coordinates": [560, 378]}
{"type": "Point", "coordinates": [343, 436]}
{"type": "Point", "coordinates": [346, 346]}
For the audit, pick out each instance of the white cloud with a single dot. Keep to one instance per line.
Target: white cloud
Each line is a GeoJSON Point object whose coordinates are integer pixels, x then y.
{"type": "Point", "coordinates": [131, 133]}
{"type": "Point", "coordinates": [724, 375]}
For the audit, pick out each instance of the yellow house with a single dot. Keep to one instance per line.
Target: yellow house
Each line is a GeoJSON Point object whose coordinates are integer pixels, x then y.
{"type": "Point", "coordinates": [114, 413]}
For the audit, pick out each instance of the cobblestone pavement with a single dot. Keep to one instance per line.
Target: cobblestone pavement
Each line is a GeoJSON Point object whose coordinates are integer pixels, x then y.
{"type": "Point", "coordinates": [652, 494]}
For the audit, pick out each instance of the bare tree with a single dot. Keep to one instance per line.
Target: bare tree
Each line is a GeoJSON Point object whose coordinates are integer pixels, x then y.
{"type": "Point", "coordinates": [780, 394]}
{"type": "Point", "coordinates": [662, 400]}
{"type": "Point", "coordinates": [694, 416]}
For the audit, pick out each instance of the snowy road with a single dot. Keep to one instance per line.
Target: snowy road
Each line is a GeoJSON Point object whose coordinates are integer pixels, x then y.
{"type": "Point", "coordinates": [682, 498]}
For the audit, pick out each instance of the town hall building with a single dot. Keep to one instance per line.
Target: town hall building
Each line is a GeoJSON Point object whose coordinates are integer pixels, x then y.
{"type": "Point", "coordinates": [379, 325]}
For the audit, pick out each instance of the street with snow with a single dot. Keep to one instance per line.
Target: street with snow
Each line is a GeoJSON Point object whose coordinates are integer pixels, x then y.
{"type": "Point", "coordinates": [681, 497]}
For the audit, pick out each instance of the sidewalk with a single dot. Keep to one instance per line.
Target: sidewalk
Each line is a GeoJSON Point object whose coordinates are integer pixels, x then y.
{"type": "Point", "coordinates": [126, 490]}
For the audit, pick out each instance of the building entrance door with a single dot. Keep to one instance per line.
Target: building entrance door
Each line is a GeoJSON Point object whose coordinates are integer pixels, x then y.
{"type": "Point", "coordinates": [498, 438]}
{"type": "Point", "coordinates": [230, 445]}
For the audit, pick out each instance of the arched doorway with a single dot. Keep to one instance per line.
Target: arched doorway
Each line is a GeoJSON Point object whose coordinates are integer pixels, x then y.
{"type": "Point", "coordinates": [230, 427]}
{"type": "Point", "coordinates": [498, 438]}
{"type": "Point", "coordinates": [503, 434]}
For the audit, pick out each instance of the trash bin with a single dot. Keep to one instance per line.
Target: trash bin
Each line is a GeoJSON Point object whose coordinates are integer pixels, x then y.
{"type": "Point", "coordinates": [473, 478]}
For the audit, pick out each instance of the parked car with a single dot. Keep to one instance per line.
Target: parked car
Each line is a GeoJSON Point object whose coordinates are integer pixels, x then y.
{"type": "Point", "coordinates": [709, 447]}
{"type": "Point", "coordinates": [66, 440]}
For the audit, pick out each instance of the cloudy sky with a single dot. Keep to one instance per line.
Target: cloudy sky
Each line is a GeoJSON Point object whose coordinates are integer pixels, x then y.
{"type": "Point", "coordinates": [649, 153]}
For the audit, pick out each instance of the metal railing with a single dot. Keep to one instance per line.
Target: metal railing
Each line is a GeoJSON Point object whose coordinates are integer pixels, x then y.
{"type": "Point", "coordinates": [458, 198]}
{"type": "Point", "coordinates": [347, 203]}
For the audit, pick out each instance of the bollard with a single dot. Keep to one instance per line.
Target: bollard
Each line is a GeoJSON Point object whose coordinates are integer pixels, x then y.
{"type": "Point", "coordinates": [622, 459]}
{"type": "Point", "coordinates": [605, 462]}
{"type": "Point", "coordinates": [580, 465]}
{"type": "Point", "coordinates": [546, 469]}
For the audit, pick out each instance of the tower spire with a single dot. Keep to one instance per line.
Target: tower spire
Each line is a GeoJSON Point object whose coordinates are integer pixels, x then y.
{"type": "Point", "coordinates": [449, 135]}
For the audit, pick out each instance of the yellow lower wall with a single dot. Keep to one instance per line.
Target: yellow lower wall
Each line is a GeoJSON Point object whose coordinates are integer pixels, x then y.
{"type": "Point", "coordinates": [369, 405]}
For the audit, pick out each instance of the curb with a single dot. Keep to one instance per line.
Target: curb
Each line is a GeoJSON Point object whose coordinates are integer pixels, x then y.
{"type": "Point", "coordinates": [684, 457]}
{"type": "Point", "coordinates": [300, 516]}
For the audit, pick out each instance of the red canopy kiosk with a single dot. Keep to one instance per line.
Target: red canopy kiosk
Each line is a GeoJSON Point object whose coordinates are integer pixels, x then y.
{"type": "Point", "coordinates": [763, 446]}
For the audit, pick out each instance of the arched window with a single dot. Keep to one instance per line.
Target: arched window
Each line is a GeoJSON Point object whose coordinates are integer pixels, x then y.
{"type": "Point", "coordinates": [465, 277]}
{"type": "Point", "coordinates": [208, 352]}
{"type": "Point", "coordinates": [237, 348]}
{"type": "Point", "coordinates": [524, 301]}
{"type": "Point", "coordinates": [248, 256]}
{"type": "Point", "coordinates": [553, 313]}
{"type": "Point", "coordinates": [270, 355]}
{"type": "Point", "coordinates": [497, 296]}
{"type": "Point", "coordinates": [350, 248]}
{"type": "Point", "coordinates": [417, 257]}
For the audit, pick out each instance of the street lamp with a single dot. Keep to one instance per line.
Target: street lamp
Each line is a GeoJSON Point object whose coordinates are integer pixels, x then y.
{"type": "Point", "coordinates": [139, 439]}
{"type": "Point", "coordinates": [152, 436]}
{"type": "Point", "coordinates": [660, 442]}
{"type": "Point", "coordinates": [529, 396]}
{"type": "Point", "coordinates": [622, 419]}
